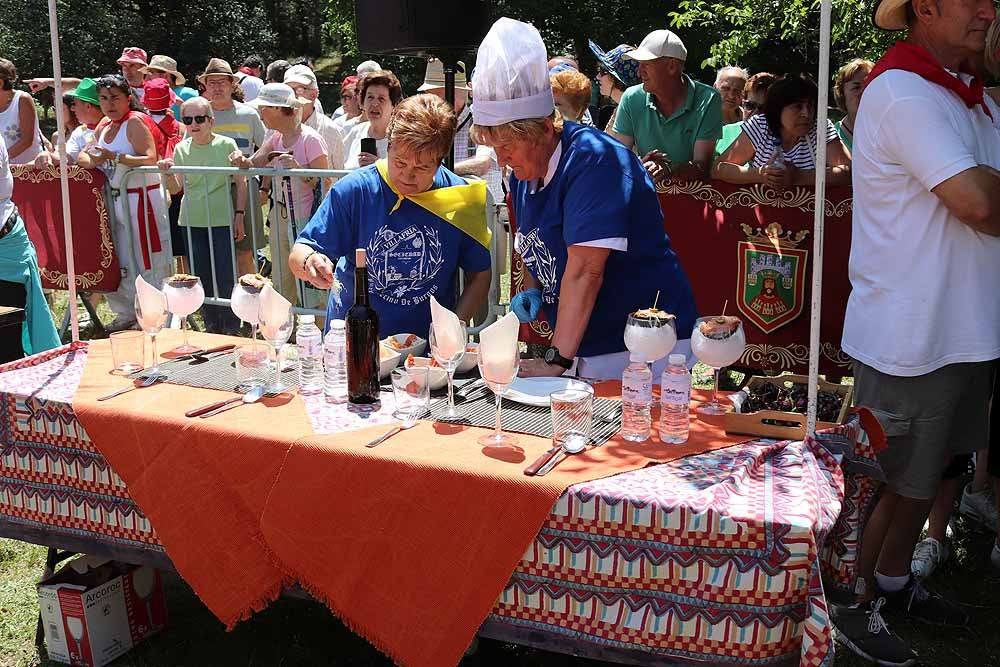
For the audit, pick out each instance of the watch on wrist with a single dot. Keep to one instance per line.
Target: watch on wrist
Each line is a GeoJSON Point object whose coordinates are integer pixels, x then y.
{"type": "Point", "coordinates": [553, 358]}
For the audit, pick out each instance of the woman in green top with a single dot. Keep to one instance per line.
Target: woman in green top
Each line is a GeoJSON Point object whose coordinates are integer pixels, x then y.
{"type": "Point", "coordinates": [207, 212]}
{"type": "Point", "coordinates": [847, 89]}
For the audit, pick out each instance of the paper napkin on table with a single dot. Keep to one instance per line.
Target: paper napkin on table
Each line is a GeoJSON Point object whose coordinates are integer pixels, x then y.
{"type": "Point", "coordinates": [273, 310]}
{"type": "Point", "coordinates": [152, 303]}
{"type": "Point", "coordinates": [448, 331]}
{"type": "Point", "coordinates": [498, 351]}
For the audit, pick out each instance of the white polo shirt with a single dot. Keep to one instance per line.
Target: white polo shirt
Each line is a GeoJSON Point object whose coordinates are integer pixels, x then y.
{"type": "Point", "coordinates": [924, 283]}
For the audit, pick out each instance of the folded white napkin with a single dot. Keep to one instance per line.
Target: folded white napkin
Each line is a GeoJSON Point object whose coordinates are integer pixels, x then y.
{"type": "Point", "coordinates": [153, 304]}
{"type": "Point", "coordinates": [448, 332]}
{"type": "Point", "coordinates": [273, 313]}
{"type": "Point", "coordinates": [498, 349]}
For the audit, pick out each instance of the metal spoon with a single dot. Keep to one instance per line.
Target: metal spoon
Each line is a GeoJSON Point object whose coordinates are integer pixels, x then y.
{"type": "Point", "coordinates": [146, 381]}
{"type": "Point", "coordinates": [251, 396]}
{"type": "Point", "coordinates": [571, 445]}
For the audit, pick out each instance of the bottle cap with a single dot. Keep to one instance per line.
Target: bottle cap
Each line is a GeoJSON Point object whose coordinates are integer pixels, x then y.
{"type": "Point", "coordinates": [338, 324]}
{"type": "Point", "coordinates": [678, 360]}
{"type": "Point", "coordinates": [306, 318]}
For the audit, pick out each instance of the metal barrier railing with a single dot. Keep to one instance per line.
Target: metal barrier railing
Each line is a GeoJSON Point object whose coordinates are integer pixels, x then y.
{"type": "Point", "coordinates": [271, 225]}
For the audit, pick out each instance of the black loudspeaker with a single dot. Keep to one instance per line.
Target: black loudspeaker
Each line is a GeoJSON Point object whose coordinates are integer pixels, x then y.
{"type": "Point", "coordinates": [421, 27]}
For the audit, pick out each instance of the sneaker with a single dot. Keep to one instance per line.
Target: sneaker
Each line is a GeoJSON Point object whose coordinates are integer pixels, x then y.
{"type": "Point", "coordinates": [980, 507]}
{"type": "Point", "coordinates": [863, 630]}
{"type": "Point", "coordinates": [927, 555]}
{"type": "Point", "coordinates": [923, 605]}
{"type": "Point", "coordinates": [995, 556]}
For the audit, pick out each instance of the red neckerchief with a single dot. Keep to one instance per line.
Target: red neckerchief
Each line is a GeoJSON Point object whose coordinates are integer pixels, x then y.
{"type": "Point", "coordinates": [912, 58]}
{"type": "Point", "coordinates": [123, 119]}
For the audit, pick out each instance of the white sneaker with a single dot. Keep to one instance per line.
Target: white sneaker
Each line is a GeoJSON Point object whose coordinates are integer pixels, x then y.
{"type": "Point", "coordinates": [995, 556]}
{"type": "Point", "coordinates": [980, 506]}
{"type": "Point", "coordinates": [927, 555]}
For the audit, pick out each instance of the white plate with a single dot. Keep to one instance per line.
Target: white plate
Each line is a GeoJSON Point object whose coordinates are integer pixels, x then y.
{"type": "Point", "coordinates": [535, 391]}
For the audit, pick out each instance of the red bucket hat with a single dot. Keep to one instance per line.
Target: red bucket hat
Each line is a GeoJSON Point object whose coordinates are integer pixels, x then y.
{"type": "Point", "coordinates": [133, 54]}
{"type": "Point", "coordinates": [157, 95]}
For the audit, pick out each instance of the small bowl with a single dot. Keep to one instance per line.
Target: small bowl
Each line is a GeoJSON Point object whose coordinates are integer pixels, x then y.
{"type": "Point", "coordinates": [388, 359]}
{"type": "Point", "coordinates": [471, 358]}
{"type": "Point", "coordinates": [438, 377]}
{"type": "Point", "coordinates": [416, 348]}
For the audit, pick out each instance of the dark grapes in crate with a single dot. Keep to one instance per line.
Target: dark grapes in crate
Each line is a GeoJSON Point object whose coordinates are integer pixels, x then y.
{"type": "Point", "coordinates": [794, 398]}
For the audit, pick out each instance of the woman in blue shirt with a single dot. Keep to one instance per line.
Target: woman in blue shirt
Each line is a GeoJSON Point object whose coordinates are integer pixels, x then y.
{"type": "Point", "coordinates": [419, 222]}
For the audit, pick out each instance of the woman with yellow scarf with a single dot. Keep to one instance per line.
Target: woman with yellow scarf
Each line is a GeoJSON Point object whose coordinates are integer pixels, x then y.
{"type": "Point", "coordinates": [419, 222]}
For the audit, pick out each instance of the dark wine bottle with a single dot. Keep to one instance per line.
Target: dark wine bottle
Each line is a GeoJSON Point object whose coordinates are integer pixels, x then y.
{"type": "Point", "coordinates": [362, 340]}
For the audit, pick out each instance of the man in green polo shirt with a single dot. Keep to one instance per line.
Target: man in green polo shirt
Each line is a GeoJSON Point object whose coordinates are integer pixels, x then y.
{"type": "Point", "coordinates": [672, 120]}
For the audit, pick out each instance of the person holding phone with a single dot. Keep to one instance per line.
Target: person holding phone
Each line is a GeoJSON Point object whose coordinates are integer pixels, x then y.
{"type": "Point", "coordinates": [369, 141]}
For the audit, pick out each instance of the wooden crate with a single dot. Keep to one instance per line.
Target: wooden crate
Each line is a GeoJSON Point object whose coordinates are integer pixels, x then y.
{"type": "Point", "coordinates": [784, 425]}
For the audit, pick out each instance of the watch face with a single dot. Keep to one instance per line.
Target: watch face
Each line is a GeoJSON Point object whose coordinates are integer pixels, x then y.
{"type": "Point", "coordinates": [550, 355]}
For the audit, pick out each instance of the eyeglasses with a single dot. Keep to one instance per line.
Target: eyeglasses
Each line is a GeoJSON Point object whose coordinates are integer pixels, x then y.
{"type": "Point", "coordinates": [752, 106]}
{"type": "Point", "coordinates": [347, 96]}
{"type": "Point", "coordinates": [602, 72]}
{"type": "Point", "coordinates": [187, 120]}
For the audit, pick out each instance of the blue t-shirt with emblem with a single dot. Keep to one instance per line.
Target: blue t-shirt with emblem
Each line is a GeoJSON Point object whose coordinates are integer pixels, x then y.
{"type": "Point", "coordinates": [600, 190]}
{"type": "Point", "coordinates": [412, 253]}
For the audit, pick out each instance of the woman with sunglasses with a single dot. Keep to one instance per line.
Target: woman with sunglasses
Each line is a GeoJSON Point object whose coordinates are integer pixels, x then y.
{"type": "Point", "coordinates": [125, 140]}
{"type": "Point", "coordinates": [754, 95]}
{"type": "Point", "coordinates": [615, 75]}
{"type": "Point", "coordinates": [207, 216]}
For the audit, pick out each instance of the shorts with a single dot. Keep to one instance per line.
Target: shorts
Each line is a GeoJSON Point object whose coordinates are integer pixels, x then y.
{"type": "Point", "coordinates": [993, 460]}
{"type": "Point", "coordinates": [928, 420]}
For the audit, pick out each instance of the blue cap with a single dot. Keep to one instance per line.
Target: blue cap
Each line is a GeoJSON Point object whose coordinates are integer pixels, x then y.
{"type": "Point", "coordinates": [562, 67]}
{"type": "Point", "coordinates": [625, 70]}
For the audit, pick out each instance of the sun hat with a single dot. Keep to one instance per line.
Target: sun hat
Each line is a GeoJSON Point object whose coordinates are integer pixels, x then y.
{"type": "Point", "coordinates": [216, 66]}
{"type": "Point", "coordinates": [625, 70]}
{"type": "Point", "coordinates": [512, 75]}
{"type": "Point", "coordinates": [434, 76]}
{"type": "Point", "coordinates": [276, 95]}
{"type": "Point", "coordinates": [86, 91]}
{"type": "Point", "coordinates": [368, 66]}
{"type": "Point", "coordinates": [302, 75]}
{"type": "Point", "coordinates": [890, 14]}
{"type": "Point", "coordinates": [659, 44]}
{"type": "Point", "coordinates": [165, 64]}
{"type": "Point", "coordinates": [132, 54]}
{"type": "Point", "coordinates": [157, 95]}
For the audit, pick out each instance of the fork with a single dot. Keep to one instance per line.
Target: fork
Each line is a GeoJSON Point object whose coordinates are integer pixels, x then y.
{"type": "Point", "coordinates": [410, 420]}
{"type": "Point", "coordinates": [147, 381]}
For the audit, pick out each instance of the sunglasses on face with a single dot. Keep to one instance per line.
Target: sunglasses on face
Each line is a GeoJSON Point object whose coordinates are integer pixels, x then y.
{"type": "Point", "coordinates": [347, 96]}
{"type": "Point", "coordinates": [602, 72]}
{"type": "Point", "coordinates": [187, 120]}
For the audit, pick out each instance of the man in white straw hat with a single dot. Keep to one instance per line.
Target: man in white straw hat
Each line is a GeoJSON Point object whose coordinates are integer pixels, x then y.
{"type": "Point", "coordinates": [590, 229]}
{"type": "Point", "coordinates": [672, 120]}
{"type": "Point", "coordinates": [165, 67]}
{"type": "Point", "coordinates": [927, 195]}
{"type": "Point", "coordinates": [302, 81]}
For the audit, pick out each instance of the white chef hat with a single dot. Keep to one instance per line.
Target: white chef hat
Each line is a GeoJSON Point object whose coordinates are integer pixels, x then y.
{"type": "Point", "coordinates": [512, 75]}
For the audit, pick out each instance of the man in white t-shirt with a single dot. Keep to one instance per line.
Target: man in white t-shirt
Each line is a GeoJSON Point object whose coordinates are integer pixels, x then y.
{"type": "Point", "coordinates": [923, 320]}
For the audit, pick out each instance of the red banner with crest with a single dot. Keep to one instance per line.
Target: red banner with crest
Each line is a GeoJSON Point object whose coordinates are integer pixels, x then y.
{"type": "Point", "coordinates": [751, 246]}
{"type": "Point", "coordinates": [39, 201]}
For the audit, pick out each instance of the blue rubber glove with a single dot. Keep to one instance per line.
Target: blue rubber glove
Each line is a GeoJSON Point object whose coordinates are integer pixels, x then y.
{"type": "Point", "coordinates": [527, 304]}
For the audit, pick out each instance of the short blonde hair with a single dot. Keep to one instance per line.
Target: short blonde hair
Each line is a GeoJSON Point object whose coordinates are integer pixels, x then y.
{"type": "Point", "coordinates": [423, 123]}
{"type": "Point", "coordinates": [527, 128]}
{"type": "Point", "coordinates": [845, 74]}
{"type": "Point", "coordinates": [574, 86]}
{"type": "Point", "coordinates": [199, 102]}
{"type": "Point", "coordinates": [992, 55]}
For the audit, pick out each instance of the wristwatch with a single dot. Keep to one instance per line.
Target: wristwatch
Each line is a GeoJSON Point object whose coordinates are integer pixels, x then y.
{"type": "Point", "coordinates": [553, 358]}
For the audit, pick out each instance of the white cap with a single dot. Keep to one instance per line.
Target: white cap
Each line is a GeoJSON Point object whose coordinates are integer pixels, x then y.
{"type": "Point", "coordinates": [338, 324]}
{"type": "Point", "coordinates": [677, 360]}
{"type": "Point", "coordinates": [306, 318]}
{"type": "Point", "coordinates": [276, 95]}
{"type": "Point", "coordinates": [512, 75]}
{"type": "Point", "coordinates": [659, 44]}
{"type": "Point", "coordinates": [368, 66]}
{"type": "Point", "coordinates": [302, 75]}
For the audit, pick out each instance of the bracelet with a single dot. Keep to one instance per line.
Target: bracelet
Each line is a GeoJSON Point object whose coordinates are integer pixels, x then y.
{"type": "Point", "coordinates": [239, 212]}
{"type": "Point", "coordinates": [306, 260]}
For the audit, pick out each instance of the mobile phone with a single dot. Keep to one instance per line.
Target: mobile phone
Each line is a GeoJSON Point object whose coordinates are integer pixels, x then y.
{"type": "Point", "coordinates": [276, 154]}
{"type": "Point", "coordinates": [368, 145]}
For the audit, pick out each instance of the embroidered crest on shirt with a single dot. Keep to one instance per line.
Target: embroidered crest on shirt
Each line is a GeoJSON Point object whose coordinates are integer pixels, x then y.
{"type": "Point", "coordinates": [539, 261]}
{"type": "Point", "coordinates": [403, 266]}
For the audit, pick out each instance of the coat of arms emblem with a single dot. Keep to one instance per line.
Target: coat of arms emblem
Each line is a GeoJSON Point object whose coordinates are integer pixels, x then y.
{"type": "Point", "coordinates": [771, 278]}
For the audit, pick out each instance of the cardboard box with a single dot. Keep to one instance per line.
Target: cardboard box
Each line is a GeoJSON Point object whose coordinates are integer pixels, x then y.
{"type": "Point", "coordinates": [95, 610]}
{"type": "Point", "coordinates": [779, 424]}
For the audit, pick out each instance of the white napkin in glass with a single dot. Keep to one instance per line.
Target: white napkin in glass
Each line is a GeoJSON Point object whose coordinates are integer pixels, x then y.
{"type": "Point", "coordinates": [153, 303]}
{"type": "Point", "coordinates": [498, 349]}
{"type": "Point", "coordinates": [447, 331]}
{"type": "Point", "coordinates": [273, 312]}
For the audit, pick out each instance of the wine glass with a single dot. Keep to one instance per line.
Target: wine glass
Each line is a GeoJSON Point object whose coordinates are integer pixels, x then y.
{"type": "Point", "coordinates": [152, 319]}
{"type": "Point", "coordinates": [449, 364]}
{"type": "Point", "coordinates": [75, 626]}
{"type": "Point", "coordinates": [144, 584]}
{"type": "Point", "coordinates": [245, 302]}
{"type": "Point", "coordinates": [651, 338]}
{"type": "Point", "coordinates": [498, 378]}
{"type": "Point", "coordinates": [276, 329]}
{"type": "Point", "coordinates": [717, 342]}
{"type": "Point", "coordinates": [184, 296]}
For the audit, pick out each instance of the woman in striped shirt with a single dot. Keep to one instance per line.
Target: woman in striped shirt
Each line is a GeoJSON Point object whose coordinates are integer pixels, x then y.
{"type": "Point", "coordinates": [777, 147]}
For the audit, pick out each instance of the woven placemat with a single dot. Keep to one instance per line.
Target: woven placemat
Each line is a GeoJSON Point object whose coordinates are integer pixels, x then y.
{"type": "Point", "coordinates": [218, 372]}
{"type": "Point", "coordinates": [479, 409]}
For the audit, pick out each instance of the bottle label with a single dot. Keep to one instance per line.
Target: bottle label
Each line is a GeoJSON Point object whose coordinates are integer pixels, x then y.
{"type": "Point", "coordinates": [675, 393]}
{"type": "Point", "coordinates": [640, 392]}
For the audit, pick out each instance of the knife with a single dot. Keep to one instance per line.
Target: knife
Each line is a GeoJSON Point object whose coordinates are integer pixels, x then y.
{"type": "Point", "coordinates": [200, 354]}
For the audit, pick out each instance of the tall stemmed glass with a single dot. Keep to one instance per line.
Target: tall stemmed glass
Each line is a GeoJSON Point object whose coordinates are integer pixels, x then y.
{"type": "Point", "coordinates": [498, 382]}
{"type": "Point", "coordinates": [245, 302]}
{"type": "Point", "coordinates": [184, 296]}
{"type": "Point", "coordinates": [152, 317]}
{"type": "Point", "coordinates": [652, 337]}
{"type": "Point", "coordinates": [717, 342]}
{"type": "Point", "coordinates": [276, 329]}
{"type": "Point", "coordinates": [449, 364]}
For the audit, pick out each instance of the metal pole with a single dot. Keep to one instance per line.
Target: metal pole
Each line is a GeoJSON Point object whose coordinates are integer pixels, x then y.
{"type": "Point", "coordinates": [449, 61]}
{"type": "Point", "coordinates": [819, 213]}
{"type": "Point", "coordinates": [63, 169]}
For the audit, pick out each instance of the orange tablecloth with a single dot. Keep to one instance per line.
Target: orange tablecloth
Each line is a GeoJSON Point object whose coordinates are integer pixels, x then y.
{"type": "Point", "coordinates": [250, 500]}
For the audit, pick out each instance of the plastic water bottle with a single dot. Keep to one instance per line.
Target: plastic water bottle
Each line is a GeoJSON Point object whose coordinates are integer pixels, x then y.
{"type": "Point", "coordinates": [335, 360]}
{"type": "Point", "coordinates": [675, 397]}
{"type": "Point", "coordinates": [777, 160]}
{"type": "Point", "coordinates": [637, 396]}
{"type": "Point", "coordinates": [309, 342]}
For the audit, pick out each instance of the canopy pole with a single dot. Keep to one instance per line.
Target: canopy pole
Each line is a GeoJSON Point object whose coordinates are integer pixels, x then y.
{"type": "Point", "coordinates": [63, 169]}
{"type": "Point", "coordinates": [819, 213]}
